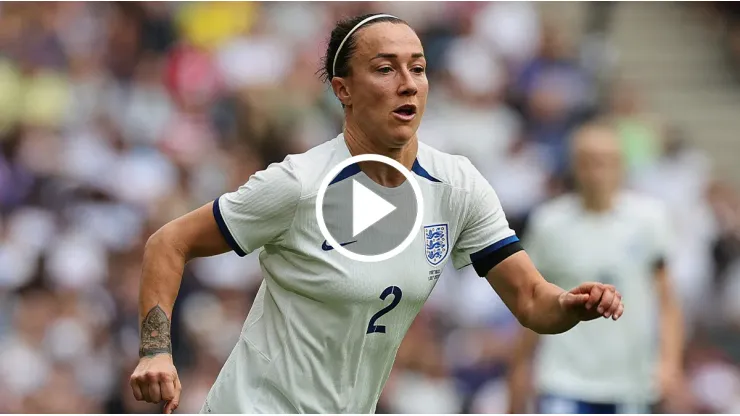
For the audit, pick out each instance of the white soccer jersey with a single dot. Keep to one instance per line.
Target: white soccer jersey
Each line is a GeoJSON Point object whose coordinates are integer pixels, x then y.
{"type": "Point", "coordinates": [323, 332]}
{"type": "Point", "coordinates": [601, 360]}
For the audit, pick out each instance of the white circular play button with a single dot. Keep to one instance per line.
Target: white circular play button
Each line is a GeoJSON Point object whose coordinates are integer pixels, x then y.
{"type": "Point", "coordinates": [363, 220]}
{"type": "Point", "coordinates": [367, 208]}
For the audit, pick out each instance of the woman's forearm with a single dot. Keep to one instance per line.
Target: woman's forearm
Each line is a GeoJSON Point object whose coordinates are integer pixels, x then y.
{"type": "Point", "coordinates": [161, 275]}
{"type": "Point", "coordinates": [546, 314]}
{"type": "Point", "coordinates": [195, 234]}
{"type": "Point", "coordinates": [533, 300]}
{"type": "Point", "coordinates": [671, 322]}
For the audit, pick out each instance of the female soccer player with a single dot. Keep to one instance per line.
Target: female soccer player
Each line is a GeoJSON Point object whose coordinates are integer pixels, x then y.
{"type": "Point", "coordinates": [324, 329]}
{"type": "Point", "coordinates": [624, 238]}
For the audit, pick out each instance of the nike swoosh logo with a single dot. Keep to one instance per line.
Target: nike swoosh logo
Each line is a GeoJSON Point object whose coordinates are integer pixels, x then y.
{"type": "Point", "coordinates": [326, 247]}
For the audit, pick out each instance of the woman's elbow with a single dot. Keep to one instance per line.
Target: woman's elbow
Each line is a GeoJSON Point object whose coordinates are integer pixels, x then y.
{"type": "Point", "coordinates": [524, 313]}
{"type": "Point", "coordinates": [165, 241]}
{"type": "Point", "coordinates": [522, 305]}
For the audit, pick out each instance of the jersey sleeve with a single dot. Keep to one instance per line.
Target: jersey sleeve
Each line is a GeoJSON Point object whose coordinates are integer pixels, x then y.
{"type": "Point", "coordinates": [261, 210]}
{"type": "Point", "coordinates": [486, 238]}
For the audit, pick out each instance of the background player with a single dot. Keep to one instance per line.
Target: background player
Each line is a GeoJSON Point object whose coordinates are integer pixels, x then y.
{"type": "Point", "coordinates": [621, 238]}
{"type": "Point", "coordinates": [309, 344]}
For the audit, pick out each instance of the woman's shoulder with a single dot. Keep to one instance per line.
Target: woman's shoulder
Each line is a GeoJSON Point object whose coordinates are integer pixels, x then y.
{"type": "Point", "coordinates": [311, 166]}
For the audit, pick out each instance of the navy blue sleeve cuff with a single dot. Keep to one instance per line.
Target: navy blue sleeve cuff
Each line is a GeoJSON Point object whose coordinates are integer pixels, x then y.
{"type": "Point", "coordinates": [486, 259]}
{"type": "Point", "coordinates": [225, 230]}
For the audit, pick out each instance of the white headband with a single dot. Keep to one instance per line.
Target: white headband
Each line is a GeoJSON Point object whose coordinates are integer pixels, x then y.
{"type": "Point", "coordinates": [359, 25]}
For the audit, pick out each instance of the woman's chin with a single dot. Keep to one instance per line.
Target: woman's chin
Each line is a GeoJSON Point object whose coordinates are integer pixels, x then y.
{"type": "Point", "coordinates": [402, 135]}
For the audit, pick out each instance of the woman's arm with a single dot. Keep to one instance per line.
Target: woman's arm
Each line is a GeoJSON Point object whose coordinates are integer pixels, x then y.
{"type": "Point", "coordinates": [195, 234]}
{"type": "Point", "coordinates": [544, 307]}
{"type": "Point", "coordinates": [257, 213]}
{"type": "Point", "coordinates": [519, 377]}
{"type": "Point", "coordinates": [670, 370]}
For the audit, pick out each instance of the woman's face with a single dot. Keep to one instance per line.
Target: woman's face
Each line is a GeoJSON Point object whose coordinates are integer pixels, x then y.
{"type": "Point", "coordinates": [386, 93]}
{"type": "Point", "coordinates": [597, 160]}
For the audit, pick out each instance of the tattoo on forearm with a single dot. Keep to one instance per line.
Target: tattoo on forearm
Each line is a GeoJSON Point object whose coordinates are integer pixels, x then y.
{"type": "Point", "coordinates": [155, 334]}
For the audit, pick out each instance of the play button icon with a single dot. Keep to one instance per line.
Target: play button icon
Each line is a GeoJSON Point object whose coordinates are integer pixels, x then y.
{"type": "Point", "coordinates": [364, 220]}
{"type": "Point", "coordinates": [367, 208]}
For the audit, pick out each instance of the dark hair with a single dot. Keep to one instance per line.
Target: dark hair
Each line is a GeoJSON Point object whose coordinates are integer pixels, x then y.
{"type": "Point", "coordinates": [342, 28]}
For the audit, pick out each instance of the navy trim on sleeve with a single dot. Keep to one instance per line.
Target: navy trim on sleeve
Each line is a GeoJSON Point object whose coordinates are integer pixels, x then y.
{"type": "Point", "coordinates": [486, 259]}
{"type": "Point", "coordinates": [493, 247]}
{"type": "Point", "coordinates": [225, 230]}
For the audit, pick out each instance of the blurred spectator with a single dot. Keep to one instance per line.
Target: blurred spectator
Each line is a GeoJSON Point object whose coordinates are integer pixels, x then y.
{"type": "Point", "coordinates": [554, 94]}
{"type": "Point", "coordinates": [209, 24]}
{"type": "Point", "coordinates": [726, 17]}
{"type": "Point", "coordinates": [511, 28]}
{"type": "Point", "coordinates": [639, 132]}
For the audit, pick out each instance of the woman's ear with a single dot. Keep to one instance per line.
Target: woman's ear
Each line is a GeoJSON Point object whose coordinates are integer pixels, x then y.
{"type": "Point", "coordinates": [341, 90]}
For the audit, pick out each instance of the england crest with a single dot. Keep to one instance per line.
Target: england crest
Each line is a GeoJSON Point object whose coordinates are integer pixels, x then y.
{"type": "Point", "coordinates": [436, 243]}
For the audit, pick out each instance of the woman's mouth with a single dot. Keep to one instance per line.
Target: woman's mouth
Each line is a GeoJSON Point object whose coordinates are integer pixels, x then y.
{"type": "Point", "coordinates": [405, 113]}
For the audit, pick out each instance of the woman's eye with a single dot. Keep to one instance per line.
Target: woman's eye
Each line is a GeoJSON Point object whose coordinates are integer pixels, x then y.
{"type": "Point", "coordinates": [385, 70]}
{"type": "Point", "coordinates": [418, 69]}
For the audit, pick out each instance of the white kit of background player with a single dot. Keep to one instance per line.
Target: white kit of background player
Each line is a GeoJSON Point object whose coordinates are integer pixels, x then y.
{"type": "Point", "coordinates": [601, 367]}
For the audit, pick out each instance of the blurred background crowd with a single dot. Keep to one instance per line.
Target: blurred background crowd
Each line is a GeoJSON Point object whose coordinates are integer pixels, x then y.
{"type": "Point", "coordinates": [118, 117]}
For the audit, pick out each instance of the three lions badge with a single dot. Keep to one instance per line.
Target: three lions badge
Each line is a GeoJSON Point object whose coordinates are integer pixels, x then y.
{"type": "Point", "coordinates": [436, 243]}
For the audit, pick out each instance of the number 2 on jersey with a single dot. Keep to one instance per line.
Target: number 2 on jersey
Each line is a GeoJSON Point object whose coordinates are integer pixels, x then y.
{"type": "Point", "coordinates": [397, 294]}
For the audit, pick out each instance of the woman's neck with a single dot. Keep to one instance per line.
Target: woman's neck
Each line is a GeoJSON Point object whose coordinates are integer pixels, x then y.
{"type": "Point", "coordinates": [359, 144]}
{"type": "Point", "coordinates": [598, 203]}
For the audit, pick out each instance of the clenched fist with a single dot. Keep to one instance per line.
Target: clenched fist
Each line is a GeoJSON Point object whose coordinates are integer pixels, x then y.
{"type": "Point", "coordinates": [593, 300]}
{"type": "Point", "coordinates": [155, 379]}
